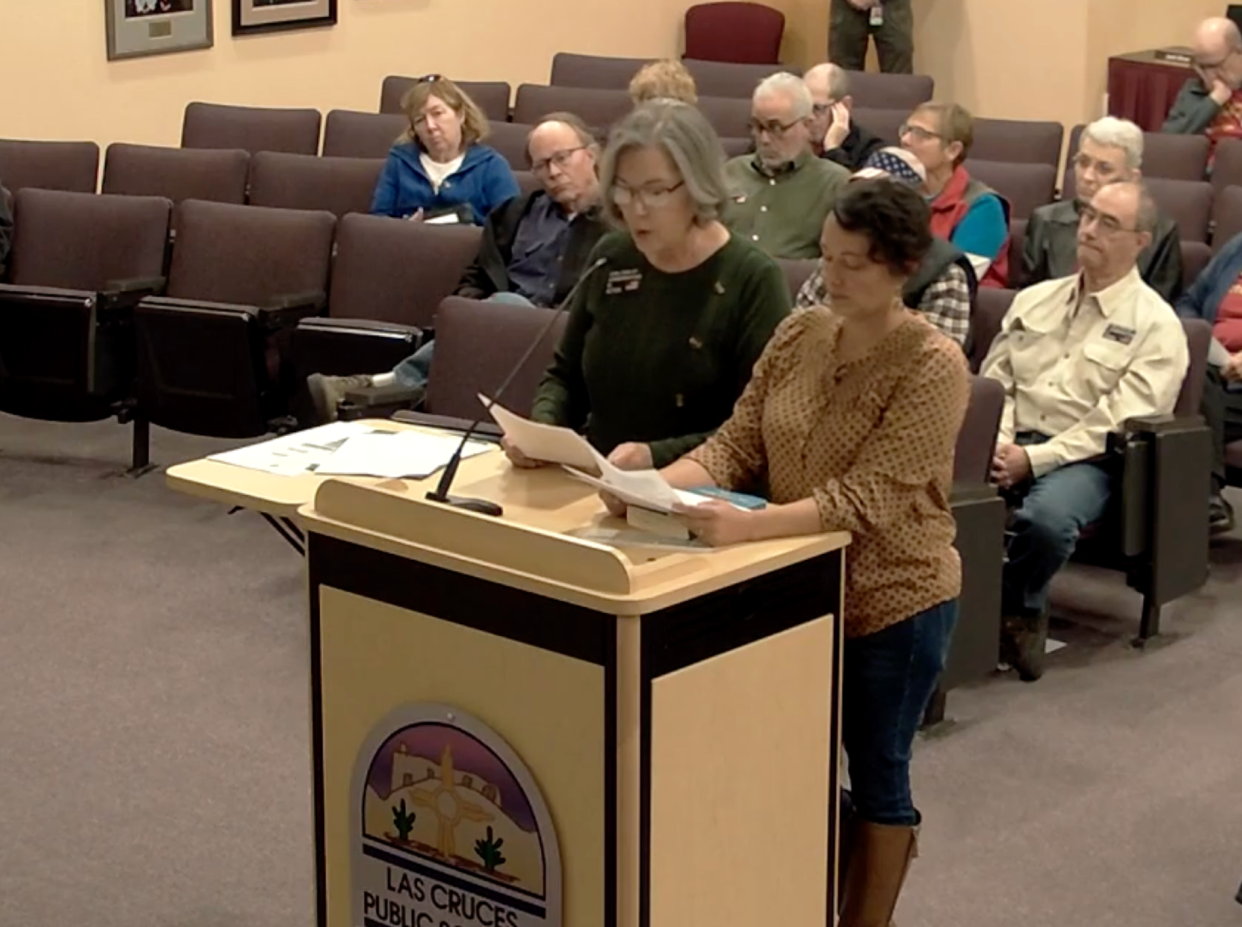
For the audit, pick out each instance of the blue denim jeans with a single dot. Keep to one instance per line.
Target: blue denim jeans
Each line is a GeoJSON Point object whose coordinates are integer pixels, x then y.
{"type": "Point", "coordinates": [888, 679]}
{"type": "Point", "coordinates": [1045, 528]}
{"type": "Point", "coordinates": [413, 372]}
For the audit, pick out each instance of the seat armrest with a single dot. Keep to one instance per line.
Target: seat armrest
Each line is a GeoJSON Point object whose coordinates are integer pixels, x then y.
{"type": "Point", "coordinates": [348, 326]}
{"type": "Point", "coordinates": [288, 309]}
{"type": "Point", "coordinates": [123, 295]}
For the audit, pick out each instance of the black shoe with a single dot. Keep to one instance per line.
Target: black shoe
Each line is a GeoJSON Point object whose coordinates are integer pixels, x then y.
{"type": "Point", "coordinates": [1220, 515]}
{"type": "Point", "coordinates": [1023, 644]}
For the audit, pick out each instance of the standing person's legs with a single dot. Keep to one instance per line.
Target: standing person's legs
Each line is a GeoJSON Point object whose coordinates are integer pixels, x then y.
{"type": "Point", "coordinates": [894, 39]}
{"type": "Point", "coordinates": [1045, 530]}
{"type": "Point", "coordinates": [888, 678]}
{"type": "Point", "coordinates": [848, 31]}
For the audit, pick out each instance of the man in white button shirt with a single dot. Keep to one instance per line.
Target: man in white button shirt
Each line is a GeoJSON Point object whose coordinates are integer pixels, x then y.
{"type": "Point", "coordinates": [1077, 357]}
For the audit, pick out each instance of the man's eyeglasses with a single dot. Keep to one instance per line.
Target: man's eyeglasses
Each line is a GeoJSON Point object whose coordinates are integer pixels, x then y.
{"type": "Point", "coordinates": [774, 129]}
{"type": "Point", "coordinates": [650, 198]}
{"type": "Point", "coordinates": [1110, 225]}
{"type": "Point", "coordinates": [822, 109]}
{"type": "Point", "coordinates": [559, 158]}
{"type": "Point", "coordinates": [923, 135]}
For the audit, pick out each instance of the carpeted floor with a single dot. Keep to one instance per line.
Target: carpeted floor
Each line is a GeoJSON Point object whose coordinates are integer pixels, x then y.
{"type": "Point", "coordinates": [154, 730]}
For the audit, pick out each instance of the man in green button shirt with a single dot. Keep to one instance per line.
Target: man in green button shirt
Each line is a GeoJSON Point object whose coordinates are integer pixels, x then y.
{"type": "Point", "coordinates": [782, 193]}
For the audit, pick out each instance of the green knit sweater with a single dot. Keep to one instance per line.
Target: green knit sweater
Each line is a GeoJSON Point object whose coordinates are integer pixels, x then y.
{"type": "Point", "coordinates": [660, 358]}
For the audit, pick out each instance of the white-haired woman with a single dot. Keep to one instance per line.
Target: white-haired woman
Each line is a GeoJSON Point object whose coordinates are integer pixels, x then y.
{"type": "Point", "coordinates": [661, 340]}
{"type": "Point", "coordinates": [1110, 150]}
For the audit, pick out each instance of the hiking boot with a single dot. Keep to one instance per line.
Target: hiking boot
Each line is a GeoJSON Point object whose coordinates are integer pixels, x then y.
{"type": "Point", "coordinates": [1023, 643]}
{"type": "Point", "coordinates": [326, 393]}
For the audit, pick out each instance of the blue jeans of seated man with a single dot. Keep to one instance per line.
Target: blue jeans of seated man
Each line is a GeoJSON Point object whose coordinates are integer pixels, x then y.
{"type": "Point", "coordinates": [888, 679]}
{"type": "Point", "coordinates": [412, 372]}
{"type": "Point", "coordinates": [1046, 523]}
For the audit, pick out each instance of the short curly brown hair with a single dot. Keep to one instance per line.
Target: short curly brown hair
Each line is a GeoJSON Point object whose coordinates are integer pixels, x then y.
{"type": "Point", "coordinates": [666, 79]}
{"type": "Point", "coordinates": [895, 218]}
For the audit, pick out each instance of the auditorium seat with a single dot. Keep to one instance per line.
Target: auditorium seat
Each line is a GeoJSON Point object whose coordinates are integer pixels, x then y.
{"type": "Point", "coordinates": [991, 304]}
{"type": "Point", "coordinates": [1186, 202]}
{"type": "Point", "coordinates": [176, 173]}
{"type": "Point", "coordinates": [599, 72]}
{"type": "Point", "coordinates": [212, 354]}
{"type": "Point", "coordinates": [490, 96]}
{"type": "Point", "coordinates": [80, 263]}
{"type": "Point", "coordinates": [251, 128]}
{"type": "Point", "coordinates": [1017, 141]}
{"type": "Point", "coordinates": [731, 80]}
{"type": "Point", "coordinates": [69, 166]}
{"type": "Point", "coordinates": [735, 147]}
{"type": "Point", "coordinates": [730, 117]}
{"type": "Point", "coordinates": [1195, 256]}
{"type": "Point", "coordinates": [527, 182]}
{"type": "Point", "coordinates": [1025, 186]}
{"type": "Point", "coordinates": [477, 344]}
{"type": "Point", "coordinates": [1176, 157]}
{"type": "Point", "coordinates": [335, 185]}
{"type": "Point", "coordinates": [388, 280]}
{"type": "Point", "coordinates": [873, 90]}
{"type": "Point", "coordinates": [1017, 241]}
{"type": "Point", "coordinates": [1227, 165]}
{"type": "Point", "coordinates": [348, 134]}
{"type": "Point", "coordinates": [797, 272]}
{"type": "Point", "coordinates": [1227, 216]}
{"type": "Point", "coordinates": [885, 123]}
{"type": "Point", "coordinates": [741, 33]}
{"type": "Point", "coordinates": [597, 108]}
{"type": "Point", "coordinates": [509, 139]}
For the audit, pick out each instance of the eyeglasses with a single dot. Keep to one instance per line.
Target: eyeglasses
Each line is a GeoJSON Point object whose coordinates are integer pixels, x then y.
{"type": "Point", "coordinates": [559, 158]}
{"type": "Point", "coordinates": [648, 197]}
{"type": "Point", "coordinates": [923, 135]}
{"type": "Point", "coordinates": [822, 109]}
{"type": "Point", "coordinates": [1110, 225]}
{"type": "Point", "coordinates": [1104, 168]}
{"type": "Point", "coordinates": [774, 129]}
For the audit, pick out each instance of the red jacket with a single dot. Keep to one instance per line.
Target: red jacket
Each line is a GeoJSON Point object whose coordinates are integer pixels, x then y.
{"type": "Point", "coordinates": [954, 201]}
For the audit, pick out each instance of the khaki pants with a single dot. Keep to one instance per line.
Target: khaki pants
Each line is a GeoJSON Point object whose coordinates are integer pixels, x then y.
{"type": "Point", "coordinates": [849, 29]}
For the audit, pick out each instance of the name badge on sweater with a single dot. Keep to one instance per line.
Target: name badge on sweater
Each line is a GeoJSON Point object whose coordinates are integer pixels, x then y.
{"type": "Point", "coordinates": [622, 281]}
{"type": "Point", "coordinates": [877, 15]}
{"type": "Point", "coordinates": [1119, 334]}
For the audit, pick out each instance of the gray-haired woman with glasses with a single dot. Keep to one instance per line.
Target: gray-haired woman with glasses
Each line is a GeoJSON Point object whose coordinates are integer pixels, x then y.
{"type": "Point", "coordinates": [660, 342]}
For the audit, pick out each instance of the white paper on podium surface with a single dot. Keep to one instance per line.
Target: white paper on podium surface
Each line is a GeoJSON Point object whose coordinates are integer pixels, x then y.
{"type": "Point", "coordinates": [293, 454]}
{"type": "Point", "coordinates": [396, 454]}
{"type": "Point", "coordinates": [549, 443]}
{"type": "Point", "coordinates": [644, 488]}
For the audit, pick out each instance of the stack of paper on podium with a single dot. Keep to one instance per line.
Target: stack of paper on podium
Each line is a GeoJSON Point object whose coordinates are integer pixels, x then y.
{"type": "Point", "coordinates": [555, 444]}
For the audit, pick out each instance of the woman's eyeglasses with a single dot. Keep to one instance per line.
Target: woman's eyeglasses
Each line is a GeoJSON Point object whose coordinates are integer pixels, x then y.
{"type": "Point", "coordinates": [430, 78]}
{"type": "Point", "coordinates": [923, 135]}
{"type": "Point", "coordinates": [648, 197]}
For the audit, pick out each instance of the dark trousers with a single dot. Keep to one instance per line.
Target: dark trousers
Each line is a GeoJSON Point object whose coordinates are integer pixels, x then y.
{"type": "Point", "coordinates": [1222, 412]}
{"type": "Point", "coordinates": [1048, 517]}
{"type": "Point", "coordinates": [849, 29]}
{"type": "Point", "coordinates": [889, 677]}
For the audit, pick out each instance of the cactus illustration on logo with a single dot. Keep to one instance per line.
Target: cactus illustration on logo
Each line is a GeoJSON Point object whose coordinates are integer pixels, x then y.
{"type": "Point", "coordinates": [489, 851]}
{"type": "Point", "coordinates": [404, 821]}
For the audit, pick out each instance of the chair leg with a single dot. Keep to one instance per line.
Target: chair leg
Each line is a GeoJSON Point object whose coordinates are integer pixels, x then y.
{"type": "Point", "coordinates": [140, 462]}
{"type": "Point", "coordinates": [1149, 626]}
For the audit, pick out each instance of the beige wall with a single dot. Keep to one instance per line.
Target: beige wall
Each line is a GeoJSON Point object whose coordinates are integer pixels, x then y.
{"type": "Point", "coordinates": [58, 84]}
{"type": "Point", "coordinates": [1013, 58]}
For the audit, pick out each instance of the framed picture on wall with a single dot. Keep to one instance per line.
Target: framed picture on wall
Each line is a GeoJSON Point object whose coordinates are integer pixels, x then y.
{"type": "Point", "coordinates": [270, 15]}
{"type": "Point", "coordinates": [155, 27]}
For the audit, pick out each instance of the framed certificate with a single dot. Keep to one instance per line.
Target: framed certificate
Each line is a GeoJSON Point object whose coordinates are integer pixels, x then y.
{"type": "Point", "coordinates": [251, 16]}
{"type": "Point", "coordinates": [136, 28]}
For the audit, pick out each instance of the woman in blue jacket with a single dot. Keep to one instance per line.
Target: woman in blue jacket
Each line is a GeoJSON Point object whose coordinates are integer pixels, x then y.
{"type": "Point", "coordinates": [439, 165]}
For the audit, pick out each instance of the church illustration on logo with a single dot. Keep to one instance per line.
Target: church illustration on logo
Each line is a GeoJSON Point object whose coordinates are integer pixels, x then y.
{"type": "Point", "coordinates": [435, 793]}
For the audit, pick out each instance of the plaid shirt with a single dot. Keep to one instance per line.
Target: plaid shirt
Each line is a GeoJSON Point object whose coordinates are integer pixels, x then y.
{"type": "Point", "coordinates": [945, 303]}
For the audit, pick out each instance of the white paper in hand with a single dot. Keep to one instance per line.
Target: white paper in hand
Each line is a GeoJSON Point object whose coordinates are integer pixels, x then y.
{"type": "Point", "coordinates": [549, 443]}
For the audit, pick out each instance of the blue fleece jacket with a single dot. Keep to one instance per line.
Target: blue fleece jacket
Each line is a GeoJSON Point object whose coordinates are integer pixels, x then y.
{"type": "Point", "coordinates": [1204, 297]}
{"type": "Point", "coordinates": [484, 181]}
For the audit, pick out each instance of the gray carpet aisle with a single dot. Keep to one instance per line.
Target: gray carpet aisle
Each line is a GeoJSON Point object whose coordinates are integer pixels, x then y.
{"type": "Point", "coordinates": [155, 744]}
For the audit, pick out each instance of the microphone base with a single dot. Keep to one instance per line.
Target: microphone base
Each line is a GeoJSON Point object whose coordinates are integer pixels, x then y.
{"type": "Point", "coordinates": [481, 506]}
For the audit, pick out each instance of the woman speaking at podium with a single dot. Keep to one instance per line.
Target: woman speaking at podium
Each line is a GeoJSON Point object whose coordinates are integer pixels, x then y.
{"type": "Point", "coordinates": [661, 341]}
{"type": "Point", "coordinates": [851, 418]}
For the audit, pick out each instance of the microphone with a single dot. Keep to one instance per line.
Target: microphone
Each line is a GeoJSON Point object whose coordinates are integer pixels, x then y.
{"type": "Point", "coordinates": [485, 506]}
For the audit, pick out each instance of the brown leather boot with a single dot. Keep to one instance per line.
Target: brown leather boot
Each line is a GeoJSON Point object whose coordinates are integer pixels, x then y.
{"type": "Point", "coordinates": [881, 855]}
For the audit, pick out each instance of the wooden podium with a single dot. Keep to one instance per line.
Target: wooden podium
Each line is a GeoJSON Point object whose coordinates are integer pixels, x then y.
{"type": "Point", "coordinates": [676, 710]}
